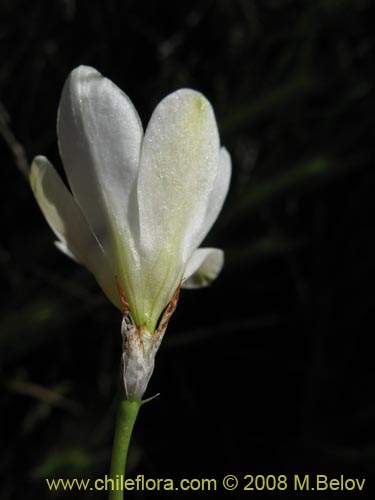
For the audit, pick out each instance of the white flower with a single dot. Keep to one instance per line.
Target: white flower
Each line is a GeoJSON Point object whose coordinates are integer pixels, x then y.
{"type": "Point", "coordinates": [140, 203]}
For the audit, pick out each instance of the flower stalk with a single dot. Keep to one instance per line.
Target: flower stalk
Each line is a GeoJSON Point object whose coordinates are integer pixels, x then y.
{"type": "Point", "coordinates": [126, 416]}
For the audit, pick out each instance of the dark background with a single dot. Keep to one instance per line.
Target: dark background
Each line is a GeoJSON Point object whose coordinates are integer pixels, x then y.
{"type": "Point", "coordinates": [269, 371]}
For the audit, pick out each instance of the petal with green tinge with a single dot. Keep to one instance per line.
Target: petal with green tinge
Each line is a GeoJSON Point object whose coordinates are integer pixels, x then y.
{"type": "Point", "coordinates": [203, 267]}
{"type": "Point", "coordinates": [179, 163]}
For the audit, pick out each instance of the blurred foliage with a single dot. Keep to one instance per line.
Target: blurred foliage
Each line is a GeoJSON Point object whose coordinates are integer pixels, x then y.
{"type": "Point", "coordinates": [282, 340]}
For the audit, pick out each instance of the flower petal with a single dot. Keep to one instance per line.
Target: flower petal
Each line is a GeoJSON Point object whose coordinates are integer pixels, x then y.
{"type": "Point", "coordinates": [178, 168]}
{"type": "Point", "coordinates": [66, 220]}
{"type": "Point", "coordinates": [218, 194]}
{"type": "Point", "coordinates": [100, 136]}
{"type": "Point", "coordinates": [177, 171]}
{"type": "Point", "coordinates": [203, 267]}
{"type": "Point", "coordinates": [63, 247]}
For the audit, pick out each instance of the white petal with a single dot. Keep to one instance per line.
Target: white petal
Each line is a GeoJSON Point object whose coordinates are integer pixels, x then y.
{"type": "Point", "coordinates": [177, 171]}
{"type": "Point", "coordinates": [100, 136]}
{"type": "Point", "coordinates": [179, 163]}
{"type": "Point", "coordinates": [59, 208]}
{"type": "Point", "coordinates": [203, 267]}
{"type": "Point", "coordinates": [67, 222]}
{"type": "Point", "coordinates": [63, 247]}
{"type": "Point", "coordinates": [218, 194]}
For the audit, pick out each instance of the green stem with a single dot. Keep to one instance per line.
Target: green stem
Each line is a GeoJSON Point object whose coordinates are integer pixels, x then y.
{"type": "Point", "coordinates": [126, 417]}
